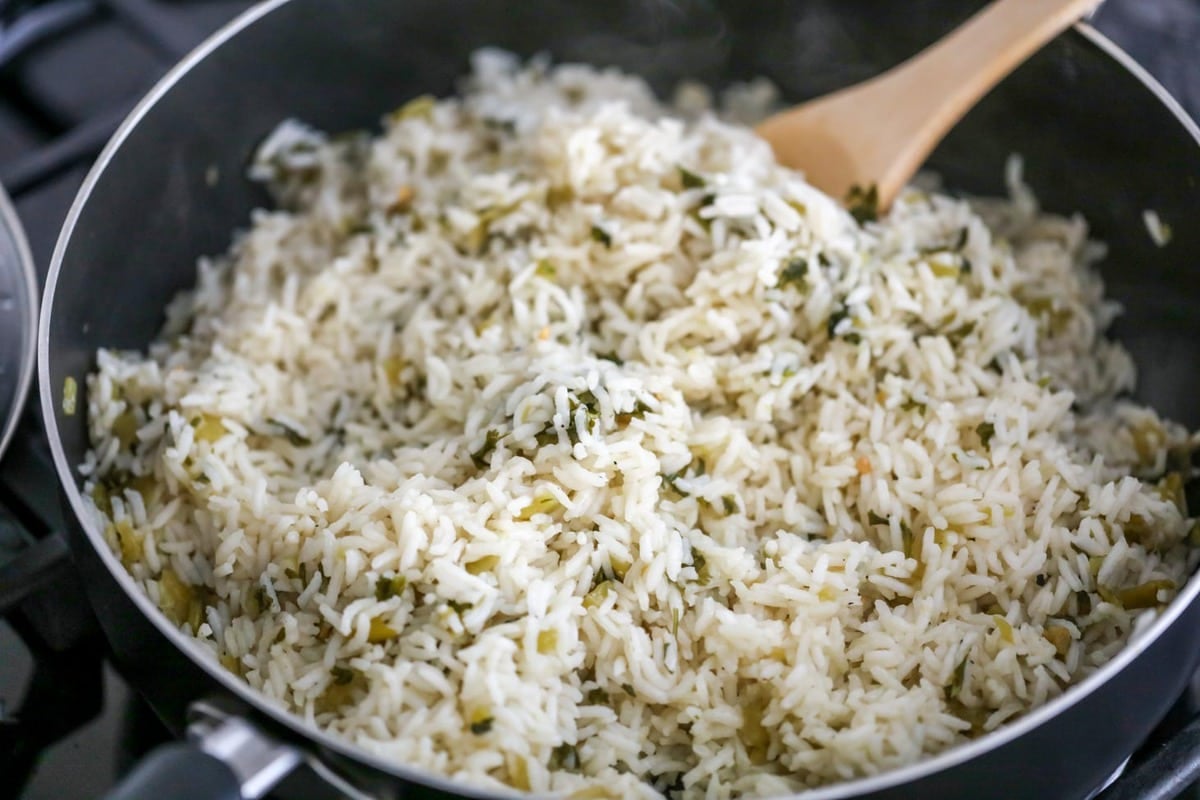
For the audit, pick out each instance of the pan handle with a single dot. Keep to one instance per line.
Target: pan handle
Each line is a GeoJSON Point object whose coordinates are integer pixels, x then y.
{"type": "Point", "coordinates": [225, 758]}
{"type": "Point", "coordinates": [179, 771]}
{"type": "Point", "coordinates": [228, 757]}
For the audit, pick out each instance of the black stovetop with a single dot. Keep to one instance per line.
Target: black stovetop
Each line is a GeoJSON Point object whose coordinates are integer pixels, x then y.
{"type": "Point", "coordinates": [69, 71]}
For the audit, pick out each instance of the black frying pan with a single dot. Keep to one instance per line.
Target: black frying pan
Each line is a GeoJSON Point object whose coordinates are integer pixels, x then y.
{"type": "Point", "coordinates": [1097, 134]}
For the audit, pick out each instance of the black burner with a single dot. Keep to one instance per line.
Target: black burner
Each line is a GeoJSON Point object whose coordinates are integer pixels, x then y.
{"type": "Point", "coordinates": [69, 71]}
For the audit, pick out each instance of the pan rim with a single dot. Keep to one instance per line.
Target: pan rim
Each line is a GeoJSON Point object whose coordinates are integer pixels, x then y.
{"type": "Point", "coordinates": [316, 740]}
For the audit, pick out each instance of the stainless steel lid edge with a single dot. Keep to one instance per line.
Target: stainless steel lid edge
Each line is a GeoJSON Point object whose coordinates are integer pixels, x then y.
{"type": "Point", "coordinates": [27, 305]}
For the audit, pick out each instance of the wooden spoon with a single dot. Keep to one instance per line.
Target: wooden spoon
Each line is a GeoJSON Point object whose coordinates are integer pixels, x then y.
{"type": "Point", "coordinates": [879, 132]}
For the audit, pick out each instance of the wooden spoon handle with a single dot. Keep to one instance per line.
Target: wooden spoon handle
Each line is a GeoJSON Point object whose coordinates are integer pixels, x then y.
{"type": "Point", "coordinates": [932, 91]}
{"type": "Point", "coordinates": [881, 131]}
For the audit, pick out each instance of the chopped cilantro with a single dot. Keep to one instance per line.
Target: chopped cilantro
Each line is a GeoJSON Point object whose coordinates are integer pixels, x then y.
{"type": "Point", "coordinates": [565, 756]}
{"type": "Point", "coordinates": [863, 204]}
{"type": "Point", "coordinates": [956, 681]}
{"type": "Point", "coordinates": [690, 180]}
{"type": "Point", "coordinates": [480, 456]}
{"type": "Point", "coordinates": [986, 431]}
{"type": "Point", "coordinates": [294, 437]}
{"type": "Point", "coordinates": [908, 540]}
{"type": "Point", "coordinates": [672, 481]}
{"type": "Point", "coordinates": [840, 313]}
{"type": "Point", "coordinates": [386, 587]}
{"type": "Point", "coordinates": [793, 272]}
{"type": "Point", "coordinates": [613, 357]}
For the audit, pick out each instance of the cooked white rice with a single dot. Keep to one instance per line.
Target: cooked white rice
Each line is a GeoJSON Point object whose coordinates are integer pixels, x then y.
{"type": "Point", "coordinates": [551, 440]}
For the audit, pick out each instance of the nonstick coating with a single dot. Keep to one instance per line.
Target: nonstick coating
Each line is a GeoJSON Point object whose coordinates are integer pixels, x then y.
{"type": "Point", "coordinates": [1096, 136]}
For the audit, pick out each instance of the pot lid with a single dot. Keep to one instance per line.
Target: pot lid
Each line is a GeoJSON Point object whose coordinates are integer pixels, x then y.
{"type": "Point", "coordinates": [18, 319]}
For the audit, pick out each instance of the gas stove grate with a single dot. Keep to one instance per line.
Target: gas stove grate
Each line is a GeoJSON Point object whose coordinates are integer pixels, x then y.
{"type": "Point", "coordinates": [74, 138]}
